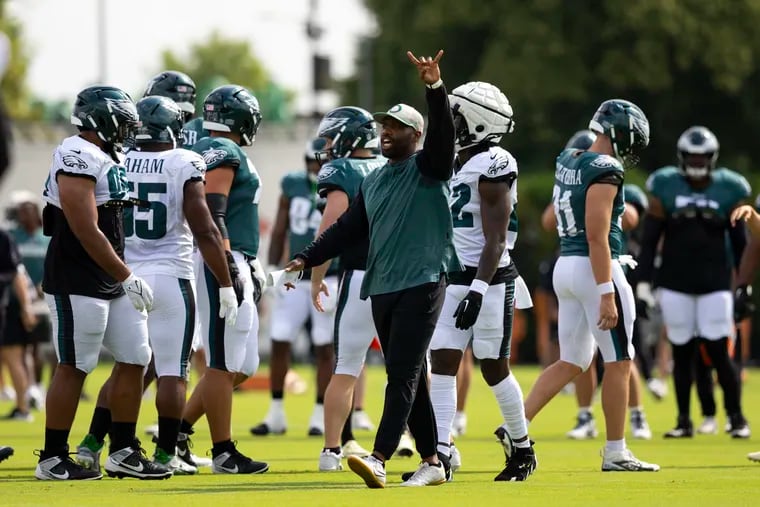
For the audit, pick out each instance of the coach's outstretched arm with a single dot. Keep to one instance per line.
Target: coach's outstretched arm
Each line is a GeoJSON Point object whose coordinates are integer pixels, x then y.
{"type": "Point", "coordinates": [351, 228]}
{"type": "Point", "coordinates": [437, 157]}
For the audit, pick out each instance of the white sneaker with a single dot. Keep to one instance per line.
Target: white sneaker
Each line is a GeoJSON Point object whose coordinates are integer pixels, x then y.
{"type": "Point", "coordinates": [175, 465]}
{"type": "Point", "coordinates": [274, 423]}
{"type": "Point", "coordinates": [585, 427]}
{"type": "Point", "coordinates": [371, 469]}
{"type": "Point", "coordinates": [639, 426]}
{"type": "Point", "coordinates": [317, 421]}
{"type": "Point", "coordinates": [8, 394]}
{"type": "Point", "coordinates": [427, 475]}
{"type": "Point", "coordinates": [455, 459]}
{"type": "Point", "coordinates": [459, 425]}
{"type": "Point", "coordinates": [754, 456]}
{"type": "Point", "coordinates": [657, 387]}
{"type": "Point", "coordinates": [709, 426]}
{"type": "Point", "coordinates": [152, 430]}
{"type": "Point", "coordinates": [330, 462]}
{"type": "Point", "coordinates": [352, 448]}
{"type": "Point", "coordinates": [625, 461]}
{"type": "Point", "coordinates": [405, 447]}
{"type": "Point", "coordinates": [35, 397]}
{"type": "Point", "coordinates": [361, 421]}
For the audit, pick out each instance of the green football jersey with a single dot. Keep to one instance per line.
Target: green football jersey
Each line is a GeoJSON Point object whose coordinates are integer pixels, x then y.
{"type": "Point", "coordinates": [576, 171]}
{"type": "Point", "coordinates": [696, 228]}
{"type": "Point", "coordinates": [346, 175]}
{"type": "Point", "coordinates": [303, 215]}
{"type": "Point", "coordinates": [192, 132]}
{"type": "Point", "coordinates": [411, 233]}
{"type": "Point", "coordinates": [242, 218]}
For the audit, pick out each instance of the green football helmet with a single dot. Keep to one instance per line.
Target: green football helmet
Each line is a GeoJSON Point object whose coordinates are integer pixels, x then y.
{"type": "Point", "coordinates": [349, 128]}
{"type": "Point", "coordinates": [160, 121]}
{"type": "Point", "coordinates": [626, 126]}
{"type": "Point", "coordinates": [314, 146]}
{"type": "Point", "coordinates": [107, 111]}
{"type": "Point", "coordinates": [581, 140]}
{"type": "Point", "coordinates": [232, 108]}
{"type": "Point", "coordinates": [177, 86]}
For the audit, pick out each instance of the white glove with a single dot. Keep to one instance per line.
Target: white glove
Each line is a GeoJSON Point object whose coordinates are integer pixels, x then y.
{"type": "Point", "coordinates": [139, 292]}
{"type": "Point", "coordinates": [257, 272]}
{"type": "Point", "coordinates": [628, 260]}
{"type": "Point", "coordinates": [644, 293]}
{"type": "Point", "coordinates": [228, 305]}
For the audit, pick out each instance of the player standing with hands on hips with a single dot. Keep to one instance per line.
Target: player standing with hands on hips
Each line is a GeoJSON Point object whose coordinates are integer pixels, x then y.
{"type": "Point", "coordinates": [403, 208]}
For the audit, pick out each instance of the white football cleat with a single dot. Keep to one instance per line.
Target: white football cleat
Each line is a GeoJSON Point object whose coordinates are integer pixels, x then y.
{"type": "Point", "coordinates": [455, 458]}
{"type": "Point", "coordinates": [330, 462]}
{"type": "Point", "coordinates": [639, 427]}
{"type": "Point", "coordinates": [361, 421]}
{"type": "Point", "coordinates": [585, 427]}
{"type": "Point", "coordinates": [709, 426]}
{"type": "Point", "coordinates": [405, 447]}
{"type": "Point", "coordinates": [459, 426]}
{"type": "Point", "coordinates": [625, 461]}
{"type": "Point", "coordinates": [352, 448]}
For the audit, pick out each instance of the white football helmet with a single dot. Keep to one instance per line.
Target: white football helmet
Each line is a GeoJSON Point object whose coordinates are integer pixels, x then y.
{"type": "Point", "coordinates": [481, 113]}
{"type": "Point", "coordinates": [697, 141]}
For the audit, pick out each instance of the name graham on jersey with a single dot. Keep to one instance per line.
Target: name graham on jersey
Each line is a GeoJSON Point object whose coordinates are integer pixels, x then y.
{"type": "Point", "coordinates": [567, 176]}
{"type": "Point", "coordinates": [144, 166]}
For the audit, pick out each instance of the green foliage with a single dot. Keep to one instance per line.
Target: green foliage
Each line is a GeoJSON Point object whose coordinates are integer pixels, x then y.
{"type": "Point", "coordinates": [684, 62]}
{"type": "Point", "coordinates": [220, 60]}
{"type": "Point", "coordinates": [14, 90]}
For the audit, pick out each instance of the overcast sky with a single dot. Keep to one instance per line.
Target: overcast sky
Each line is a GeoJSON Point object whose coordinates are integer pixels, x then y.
{"type": "Point", "coordinates": [62, 38]}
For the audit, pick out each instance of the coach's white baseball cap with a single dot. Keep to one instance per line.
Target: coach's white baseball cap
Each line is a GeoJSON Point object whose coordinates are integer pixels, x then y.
{"type": "Point", "coordinates": [404, 113]}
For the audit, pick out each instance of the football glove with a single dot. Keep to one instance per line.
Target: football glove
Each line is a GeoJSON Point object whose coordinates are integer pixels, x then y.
{"type": "Point", "coordinates": [259, 277]}
{"type": "Point", "coordinates": [140, 294]}
{"type": "Point", "coordinates": [645, 299]}
{"type": "Point", "coordinates": [237, 282]}
{"type": "Point", "coordinates": [743, 305]}
{"type": "Point", "coordinates": [228, 305]}
{"type": "Point", "coordinates": [467, 312]}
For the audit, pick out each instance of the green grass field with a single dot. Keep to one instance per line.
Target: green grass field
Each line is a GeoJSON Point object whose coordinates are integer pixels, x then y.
{"type": "Point", "coordinates": [708, 470]}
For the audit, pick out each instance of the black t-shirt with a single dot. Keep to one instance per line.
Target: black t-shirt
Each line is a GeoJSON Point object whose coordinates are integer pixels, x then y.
{"type": "Point", "coordinates": [9, 262]}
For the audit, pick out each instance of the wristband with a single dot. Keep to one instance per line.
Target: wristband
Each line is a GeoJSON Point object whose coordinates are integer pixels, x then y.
{"type": "Point", "coordinates": [435, 85]}
{"type": "Point", "coordinates": [479, 286]}
{"type": "Point", "coordinates": [605, 288]}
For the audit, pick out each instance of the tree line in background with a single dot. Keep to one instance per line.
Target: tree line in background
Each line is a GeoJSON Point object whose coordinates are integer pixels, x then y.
{"type": "Point", "coordinates": [685, 62]}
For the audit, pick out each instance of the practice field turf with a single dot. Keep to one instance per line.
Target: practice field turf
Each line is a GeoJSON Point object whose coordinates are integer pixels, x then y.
{"type": "Point", "coordinates": [707, 470]}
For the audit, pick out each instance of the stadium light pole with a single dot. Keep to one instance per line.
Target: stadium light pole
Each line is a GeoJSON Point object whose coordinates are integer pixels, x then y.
{"type": "Point", "coordinates": [102, 42]}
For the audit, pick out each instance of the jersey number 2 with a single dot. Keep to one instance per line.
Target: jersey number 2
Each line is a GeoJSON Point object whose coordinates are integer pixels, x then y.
{"type": "Point", "coordinates": [564, 212]}
{"type": "Point", "coordinates": [154, 226]}
{"type": "Point", "coordinates": [461, 195]}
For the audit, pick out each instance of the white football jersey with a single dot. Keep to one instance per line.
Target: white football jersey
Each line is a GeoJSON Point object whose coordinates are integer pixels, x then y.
{"type": "Point", "coordinates": [158, 238]}
{"type": "Point", "coordinates": [79, 157]}
{"type": "Point", "coordinates": [464, 202]}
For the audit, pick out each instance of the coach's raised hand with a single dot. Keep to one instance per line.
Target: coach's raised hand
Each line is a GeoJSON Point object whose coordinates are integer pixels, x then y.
{"type": "Point", "coordinates": [427, 67]}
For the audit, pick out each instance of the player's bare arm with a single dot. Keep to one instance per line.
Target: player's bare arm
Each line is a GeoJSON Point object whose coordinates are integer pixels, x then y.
{"type": "Point", "coordinates": [78, 204]}
{"type": "Point", "coordinates": [337, 204]}
{"type": "Point", "coordinates": [204, 230]}
{"type": "Point", "coordinates": [630, 217]}
{"type": "Point", "coordinates": [218, 184]}
{"type": "Point", "coordinates": [279, 232]}
{"type": "Point", "coordinates": [495, 208]}
{"type": "Point", "coordinates": [549, 218]}
{"type": "Point", "coordinates": [599, 202]}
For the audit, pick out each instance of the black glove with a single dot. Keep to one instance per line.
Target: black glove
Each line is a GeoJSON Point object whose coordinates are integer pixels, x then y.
{"type": "Point", "coordinates": [467, 312]}
{"type": "Point", "coordinates": [743, 305]}
{"type": "Point", "coordinates": [237, 282]}
{"type": "Point", "coordinates": [257, 289]}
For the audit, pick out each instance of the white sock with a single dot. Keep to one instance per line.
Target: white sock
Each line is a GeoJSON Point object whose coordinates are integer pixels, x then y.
{"type": "Point", "coordinates": [584, 410]}
{"type": "Point", "coordinates": [635, 410]}
{"type": "Point", "coordinates": [615, 445]}
{"type": "Point", "coordinates": [277, 408]}
{"type": "Point", "coordinates": [443, 395]}
{"type": "Point", "coordinates": [510, 399]}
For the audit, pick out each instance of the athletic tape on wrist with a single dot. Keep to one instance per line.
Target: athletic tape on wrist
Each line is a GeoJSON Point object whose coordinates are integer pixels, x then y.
{"type": "Point", "coordinates": [605, 288]}
{"type": "Point", "coordinates": [479, 286]}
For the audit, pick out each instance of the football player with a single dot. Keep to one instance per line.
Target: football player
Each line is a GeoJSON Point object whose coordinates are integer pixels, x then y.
{"type": "Point", "coordinates": [348, 135]}
{"type": "Point", "coordinates": [298, 218]}
{"type": "Point", "coordinates": [168, 183]}
{"type": "Point", "coordinates": [586, 382]}
{"type": "Point", "coordinates": [177, 86]}
{"type": "Point", "coordinates": [596, 304]}
{"type": "Point", "coordinates": [689, 209]}
{"type": "Point", "coordinates": [479, 301]}
{"type": "Point", "coordinates": [93, 296]}
{"type": "Point", "coordinates": [233, 189]}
